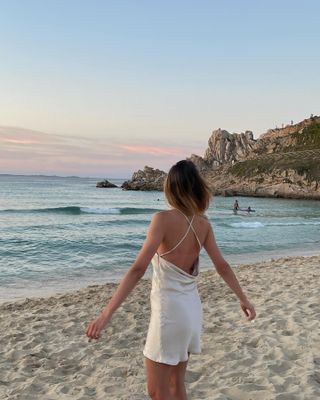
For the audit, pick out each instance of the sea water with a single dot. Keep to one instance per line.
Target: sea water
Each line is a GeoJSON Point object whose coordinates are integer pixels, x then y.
{"type": "Point", "coordinates": [64, 233]}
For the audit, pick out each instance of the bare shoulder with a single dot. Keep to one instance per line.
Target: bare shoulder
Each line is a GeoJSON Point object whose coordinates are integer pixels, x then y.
{"type": "Point", "coordinates": [161, 213]}
{"type": "Point", "coordinates": [160, 216]}
{"type": "Point", "coordinates": [204, 219]}
{"type": "Point", "coordinates": [168, 213]}
{"type": "Point", "coordinates": [166, 216]}
{"type": "Point", "coordinates": [205, 223]}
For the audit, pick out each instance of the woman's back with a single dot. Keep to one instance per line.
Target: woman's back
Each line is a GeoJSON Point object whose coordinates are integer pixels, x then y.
{"type": "Point", "coordinates": [173, 243]}
{"type": "Point", "coordinates": [176, 227]}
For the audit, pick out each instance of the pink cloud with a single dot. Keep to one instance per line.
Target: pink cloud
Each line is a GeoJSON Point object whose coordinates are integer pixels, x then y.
{"type": "Point", "coordinates": [154, 150]}
{"type": "Point", "coordinates": [18, 141]}
{"type": "Point", "coordinates": [26, 151]}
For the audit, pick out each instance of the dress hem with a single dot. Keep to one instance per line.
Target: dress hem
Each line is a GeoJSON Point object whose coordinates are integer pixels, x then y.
{"type": "Point", "coordinates": [161, 361]}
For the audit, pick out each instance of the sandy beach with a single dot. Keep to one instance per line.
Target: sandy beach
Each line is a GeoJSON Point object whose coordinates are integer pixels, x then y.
{"type": "Point", "coordinates": [45, 355]}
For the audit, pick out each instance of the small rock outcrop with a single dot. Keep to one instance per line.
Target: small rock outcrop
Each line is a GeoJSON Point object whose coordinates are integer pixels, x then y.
{"type": "Point", "coordinates": [146, 179]}
{"type": "Point", "coordinates": [105, 184]}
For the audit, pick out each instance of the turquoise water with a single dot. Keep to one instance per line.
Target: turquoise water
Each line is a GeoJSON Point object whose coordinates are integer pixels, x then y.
{"type": "Point", "coordinates": [62, 233]}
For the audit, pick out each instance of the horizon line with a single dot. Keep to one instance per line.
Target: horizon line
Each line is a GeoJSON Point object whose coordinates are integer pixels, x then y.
{"type": "Point", "coordinates": [61, 176]}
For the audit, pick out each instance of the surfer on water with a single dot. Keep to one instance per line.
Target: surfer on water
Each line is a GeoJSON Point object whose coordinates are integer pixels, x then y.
{"type": "Point", "coordinates": [237, 208]}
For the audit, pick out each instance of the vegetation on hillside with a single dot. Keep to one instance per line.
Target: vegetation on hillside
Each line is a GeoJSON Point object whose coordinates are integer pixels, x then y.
{"type": "Point", "coordinates": [309, 138]}
{"type": "Point", "coordinates": [303, 157]}
{"type": "Point", "coordinates": [303, 161]}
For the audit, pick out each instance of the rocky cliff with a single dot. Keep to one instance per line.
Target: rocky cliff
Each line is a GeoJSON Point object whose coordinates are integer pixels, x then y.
{"type": "Point", "coordinates": [283, 162]}
{"type": "Point", "coordinates": [224, 148]}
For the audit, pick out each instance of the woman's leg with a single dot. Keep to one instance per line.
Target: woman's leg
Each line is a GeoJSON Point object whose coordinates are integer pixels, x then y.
{"type": "Point", "coordinates": [177, 379]}
{"type": "Point", "coordinates": [158, 380]}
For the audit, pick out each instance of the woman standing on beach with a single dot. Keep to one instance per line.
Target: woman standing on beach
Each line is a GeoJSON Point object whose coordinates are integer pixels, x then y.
{"type": "Point", "coordinates": [174, 240]}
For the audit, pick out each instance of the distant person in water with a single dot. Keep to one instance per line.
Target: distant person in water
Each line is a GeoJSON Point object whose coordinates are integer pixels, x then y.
{"type": "Point", "coordinates": [236, 206]}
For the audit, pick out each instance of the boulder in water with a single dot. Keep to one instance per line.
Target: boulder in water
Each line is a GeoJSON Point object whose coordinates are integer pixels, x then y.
{"type": "Point", "coordinates": [105, 184]}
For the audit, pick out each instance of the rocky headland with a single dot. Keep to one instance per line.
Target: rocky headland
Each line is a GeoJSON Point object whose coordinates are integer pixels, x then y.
{"type": "Point", "coordinates": [283, 162]}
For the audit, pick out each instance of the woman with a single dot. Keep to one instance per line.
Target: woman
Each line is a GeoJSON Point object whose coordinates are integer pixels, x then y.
{"type": "Point", "coordinates": [174, 240]}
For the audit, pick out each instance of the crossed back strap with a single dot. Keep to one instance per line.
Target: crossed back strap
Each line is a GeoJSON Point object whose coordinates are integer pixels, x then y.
{"type": "Point", "coordinates": [185, 235]}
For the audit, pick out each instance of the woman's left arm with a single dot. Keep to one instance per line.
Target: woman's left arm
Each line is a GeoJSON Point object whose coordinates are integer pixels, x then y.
{"type": "Point", "coordinates": [133, 275]}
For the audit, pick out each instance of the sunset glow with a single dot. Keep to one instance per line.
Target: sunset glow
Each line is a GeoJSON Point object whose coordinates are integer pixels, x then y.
{"type": "Point", "coordinates": [34, 152]}
{"type": "Point", "coordinates": [153, 150]}
{"type": "Point", "coordinates": [18, 141]}
{"type": "Point", "coordinates": [104, 88]}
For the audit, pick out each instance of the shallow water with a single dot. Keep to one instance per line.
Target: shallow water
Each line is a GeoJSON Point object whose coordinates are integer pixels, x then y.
{"type": "Point", "coordinates": [58, 233]}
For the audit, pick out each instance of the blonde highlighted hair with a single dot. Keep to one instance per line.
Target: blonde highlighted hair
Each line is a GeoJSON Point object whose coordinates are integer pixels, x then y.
{"type": "Point", "coordinates": [186, 190]}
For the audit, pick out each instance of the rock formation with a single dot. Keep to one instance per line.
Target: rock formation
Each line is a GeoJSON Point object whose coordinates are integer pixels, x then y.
{"type": "Point", "coordinates": [146, 179]}
{"type": "Point", "coordinates": [225, 147]}
{"type": "Point", "coordinates": [281, 163]}
{"type": "Point", "coordinates": [300, 136]}
{"type": "Point", "coordinates": [275, 178]}
{"type": "Point", "coordinates": [105, 184]}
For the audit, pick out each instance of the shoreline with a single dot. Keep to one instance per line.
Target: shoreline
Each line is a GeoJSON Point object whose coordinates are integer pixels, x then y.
{"type": "Point", "coordinates": [57, 288]}
{"type": "Point", "coordinates": [46, 353]}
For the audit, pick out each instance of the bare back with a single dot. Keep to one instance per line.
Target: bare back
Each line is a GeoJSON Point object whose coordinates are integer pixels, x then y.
{"type": "Point", "coordinates": [176, 226]}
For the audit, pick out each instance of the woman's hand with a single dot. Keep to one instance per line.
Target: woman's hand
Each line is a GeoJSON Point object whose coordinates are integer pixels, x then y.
{"type": "Point", "coordinates": [95, 327]}
{"type": "Point", "coordinates": [248, 309]}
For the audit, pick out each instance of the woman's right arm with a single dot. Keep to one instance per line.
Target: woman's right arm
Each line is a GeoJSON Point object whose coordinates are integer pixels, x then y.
{"type": "Point", "coordinates": [227, 274]}
{"type": "Point", "coordinates": [131, 278]}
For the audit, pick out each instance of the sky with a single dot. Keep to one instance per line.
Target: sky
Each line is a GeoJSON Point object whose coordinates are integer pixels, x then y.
{"type": "Point", "coordinates": [102, 88]}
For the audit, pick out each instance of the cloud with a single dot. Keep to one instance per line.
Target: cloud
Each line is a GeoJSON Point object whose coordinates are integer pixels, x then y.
{"type": "Point", "coordinates": [18, 141]}
{"type": "Point", "coordinates": [27, 151]}
{"type": "Point", "coordinates": [153, 150]}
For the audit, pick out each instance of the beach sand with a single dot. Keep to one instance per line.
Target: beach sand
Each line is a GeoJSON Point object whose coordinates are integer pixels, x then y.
{"type": "Point", "coordinates": [44, 353]}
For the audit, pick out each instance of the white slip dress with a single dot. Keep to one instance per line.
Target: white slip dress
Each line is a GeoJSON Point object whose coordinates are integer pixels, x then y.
{"type": "Point", "coordinates": [176, 310]}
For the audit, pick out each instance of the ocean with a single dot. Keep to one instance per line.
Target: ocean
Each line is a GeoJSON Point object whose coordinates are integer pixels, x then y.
{"type": "Point", "coordinates": [58, 234]}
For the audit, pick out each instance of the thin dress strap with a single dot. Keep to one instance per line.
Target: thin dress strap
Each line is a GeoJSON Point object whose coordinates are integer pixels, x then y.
{"type": "Point", "coordinates": [192, 228]}
{"type": "Point", "coordinates": [185, 235]}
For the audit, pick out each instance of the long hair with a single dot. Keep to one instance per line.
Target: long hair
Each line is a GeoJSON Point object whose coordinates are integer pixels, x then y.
{"type": "Point", "coordinates": [186, 190]}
